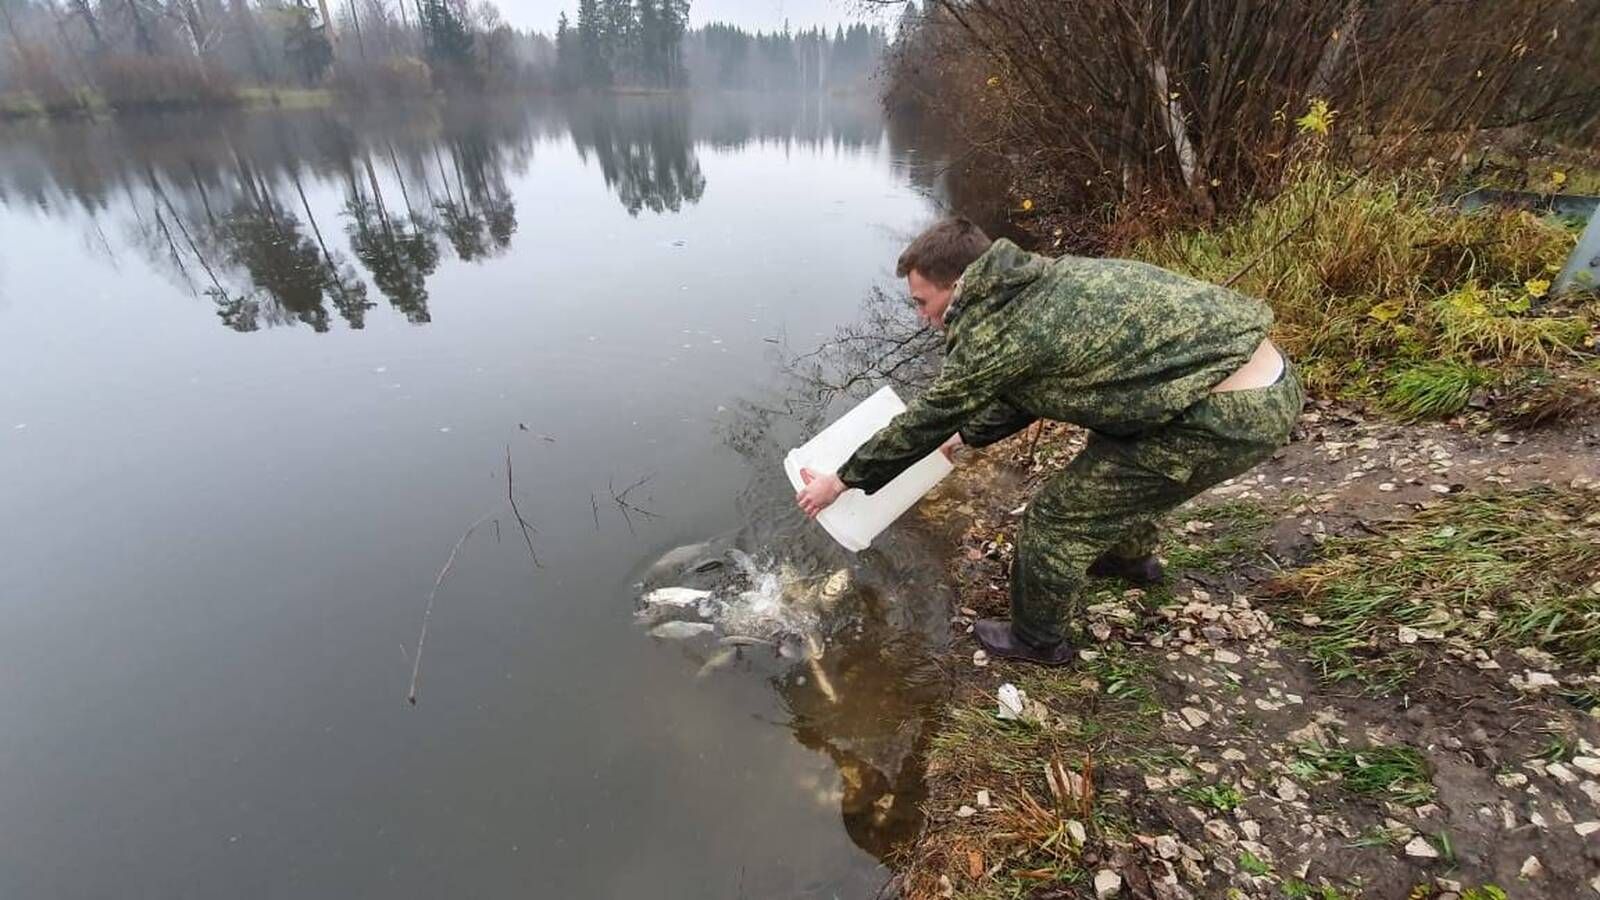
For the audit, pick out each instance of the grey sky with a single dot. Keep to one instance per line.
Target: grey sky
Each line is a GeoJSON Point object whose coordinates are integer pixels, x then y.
{"type": "Point", "coordinates": [765, 15]}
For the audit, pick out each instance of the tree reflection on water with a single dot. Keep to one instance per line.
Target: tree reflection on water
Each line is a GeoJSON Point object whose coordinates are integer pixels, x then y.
{"type": "Point", "coordinates": [232, 207]}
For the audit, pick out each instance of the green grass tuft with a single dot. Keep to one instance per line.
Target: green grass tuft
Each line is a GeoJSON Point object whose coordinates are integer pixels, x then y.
{"type": "Point", "coordinates": [1433, 390]}
{"type": "Point", "coordinates": [1222, 798]}
{"type": "Point", "coordinates": [1399, 774]}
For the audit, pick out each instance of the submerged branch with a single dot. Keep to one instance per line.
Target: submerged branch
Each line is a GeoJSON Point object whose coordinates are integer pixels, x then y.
{"type": "Point", "coordinates": [521, 522]}
{"type": "Point", "coordinates": [427, 611]}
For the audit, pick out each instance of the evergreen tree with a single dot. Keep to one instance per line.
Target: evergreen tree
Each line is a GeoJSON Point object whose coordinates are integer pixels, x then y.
{"type": "Point", "coordinates": [591, 45]}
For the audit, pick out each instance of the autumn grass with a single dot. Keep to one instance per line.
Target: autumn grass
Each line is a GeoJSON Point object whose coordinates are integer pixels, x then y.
{"type": "Point", "coordinates": [1042, 773]}
{"type": "Point", "coordinates": [1384, 277]}
{"type": "Point", "coordinates": [1491, 571]}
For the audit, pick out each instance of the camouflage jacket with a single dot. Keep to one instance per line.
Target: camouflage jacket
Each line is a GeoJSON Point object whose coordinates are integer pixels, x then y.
{"type": "Point", "coordinates": [1112, 345]}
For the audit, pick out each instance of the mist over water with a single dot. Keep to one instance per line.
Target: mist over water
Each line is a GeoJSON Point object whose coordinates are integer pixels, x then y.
{"type": "Point", "coordinates": [259, 373]}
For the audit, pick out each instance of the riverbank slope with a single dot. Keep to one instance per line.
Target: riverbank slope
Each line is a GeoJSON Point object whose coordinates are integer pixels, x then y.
{"type": "Point", "coordinates": [1372, 671]}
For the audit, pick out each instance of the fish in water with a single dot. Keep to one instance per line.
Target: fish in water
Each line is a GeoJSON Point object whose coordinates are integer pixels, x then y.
{"type": "Point", "coordinates": [680, 630]}
{"type": "Point", "coordinates": [745, 602]}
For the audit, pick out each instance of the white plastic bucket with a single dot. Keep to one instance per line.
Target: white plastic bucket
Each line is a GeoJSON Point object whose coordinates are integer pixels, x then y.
{"type": "Point", "coordinates": [856, 517]}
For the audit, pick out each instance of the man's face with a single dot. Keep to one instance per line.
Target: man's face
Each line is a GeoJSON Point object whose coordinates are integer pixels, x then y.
{"type": "Point", "coordinates": [930, 299]}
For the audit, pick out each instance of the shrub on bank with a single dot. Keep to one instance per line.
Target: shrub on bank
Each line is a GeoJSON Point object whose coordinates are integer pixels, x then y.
{"type": "Point", "coordinates": [394, 78]}
{"type": "Point", "coordinates": [140, 81]}
{"type": "Point", "coordinates": [1386, 291]}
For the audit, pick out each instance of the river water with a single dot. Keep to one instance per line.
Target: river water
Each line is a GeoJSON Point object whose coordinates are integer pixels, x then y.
{"type": "Point", "coordinates": [258, 375]}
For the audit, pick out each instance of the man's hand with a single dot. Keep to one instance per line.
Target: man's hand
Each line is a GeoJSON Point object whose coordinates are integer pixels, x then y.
{"type": "Point", "coordinates": [949, 448]}
{"type": "Point", "coordinates": [819, 492]}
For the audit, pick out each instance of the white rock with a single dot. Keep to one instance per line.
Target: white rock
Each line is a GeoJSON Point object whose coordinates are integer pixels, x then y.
{"type": "Point", "coordinates": [1077, 832]}
{"type": "Point", "coordinates": [1592, 791]}
{"type": "Point", "coordinates": [1012, 701]}
{"type": "Point", "coordinates": [1288, 791]}
{"type": "Point", "coordinates": [1407, 635]}
{"type": "Point", "coordinates": [1532, 868]}
{"type": "Point", "coordinates": [965, 812]}
{"type": "Point", "coordinates": [1420, 848]}
{"type": "Point", "coordinates": [1584, 829]}
{"type": "Point", "coordinates": [980, 658]}
{"type": "Point", "coordinates": [1233, 754]}
{"type": "Point", "coordinates": [1107, 884]}
{"type": "Point", "coordinates": [1387, 487]}
{"type": "Point", "coordinates": [1588, 764]}
{"type": "Point", "coordinates": [1194, 716]}
{"type": "Point", "coordinates": [1537, 681]}
{"type": "Point", "coordinates": [1227, 657]}
{"type": "Point", "coordinates": [1561, 773]}
{"type": "Point", "coordinates": [1251, 829]}
{"type": "Point", "coordinates": [983, 799]}
{"type": "Point", "coordinates": [1167, 846]}
{"type": "Point", "coordinates": [1512, 779]}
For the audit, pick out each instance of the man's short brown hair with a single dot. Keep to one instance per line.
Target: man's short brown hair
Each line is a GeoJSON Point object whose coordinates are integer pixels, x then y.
{"type": "Point", "coordinates": [944, 251]}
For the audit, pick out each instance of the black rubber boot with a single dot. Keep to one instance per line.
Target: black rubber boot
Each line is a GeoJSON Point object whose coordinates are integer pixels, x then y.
{"type": "Point", "coordinates": [997, 638]}
{"type": "Point", "coordinates": [1144, 571]}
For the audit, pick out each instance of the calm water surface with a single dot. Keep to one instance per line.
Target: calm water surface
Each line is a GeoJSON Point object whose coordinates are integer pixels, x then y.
{"type": "Point", "coordinates": [257, 375]}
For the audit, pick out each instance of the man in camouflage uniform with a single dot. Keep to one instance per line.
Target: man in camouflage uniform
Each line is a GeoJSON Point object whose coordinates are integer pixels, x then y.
{"type": "Point", "coordinates": [1174, 378]}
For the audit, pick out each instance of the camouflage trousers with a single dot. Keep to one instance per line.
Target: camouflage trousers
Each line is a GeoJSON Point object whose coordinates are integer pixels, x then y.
{"type": "Point", "coordinates": [1109, 497]}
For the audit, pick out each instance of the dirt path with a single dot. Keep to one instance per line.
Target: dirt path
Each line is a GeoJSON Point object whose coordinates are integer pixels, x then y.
{"type": "Point", "coordinates": [1371, 673]}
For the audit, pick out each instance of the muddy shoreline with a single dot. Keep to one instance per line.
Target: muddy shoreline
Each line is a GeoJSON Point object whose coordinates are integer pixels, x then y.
{"type": "Point", "coordinates": [1202, 748]}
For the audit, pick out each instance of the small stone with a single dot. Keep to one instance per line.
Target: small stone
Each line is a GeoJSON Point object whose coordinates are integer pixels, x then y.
{"type": "Point", "coordinates": [1561, 773]}
{"type": "Point", "coordinates": [1227, 657]}
{"type": "Point", "coordinates": [1439, 488]}
{"type": "Point", "coordinates": [1388, 487]}
{"type": "Point", "coordinates": [1195, 717]}
{"type": "Point", "coordinates": [1584, 829]}
{"type": "Point", "coordinates": [980, 658]}
{"type": "Point", "coordinates": [1221, 832]}
{"type": "Point", "coordinates": [1167, 846]}
{"type": "Point", "coordinates": [1251, 829]}
{"type": "Point", "coordinates": [965, 812]}
{"type": "Point", "coordinates": [1407, 635]}
{"type": "Point", "coordinates": [947, 888]}
{"type": "Point", "coordinates": [1287, 790]}
{"type": "Point", "coordinates": [1589, 765]}
{"type": "Point", "coordinates": [1532, 868]}
{"type": "Point", "coordinates": [1592, 791]}
{"type": "Point", "coordinates": [1542, 680]}
{"type": "Point", "coordinates": [1107, 884]}
{"type": "Point", "coordinates": [1421, 848]}
{"type": "Point", "coordinates": [1077, 832]}
{"type": "Point", "coordinates": [983, 799]}
{"type": "Point", "coordinates": [1233, 754]}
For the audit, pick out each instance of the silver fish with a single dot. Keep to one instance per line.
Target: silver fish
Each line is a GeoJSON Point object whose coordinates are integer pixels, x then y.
{"type": "Point", "coordinates": [675, 596]}
{"type": "Point", "coordinates": [681, 631]}
{"type": "Point", "coordinates": [721, 658]}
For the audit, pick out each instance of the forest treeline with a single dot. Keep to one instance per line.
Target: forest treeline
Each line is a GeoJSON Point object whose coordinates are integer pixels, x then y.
{"type": "Point", "coordinates": [64, 56]}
